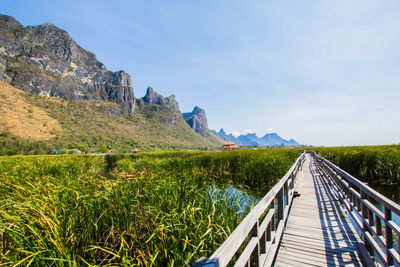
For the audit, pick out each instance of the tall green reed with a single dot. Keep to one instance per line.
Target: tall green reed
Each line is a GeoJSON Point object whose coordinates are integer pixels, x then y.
{"type": "Point", "coordinates": [146, 209]}
{"type": "Point", "coordinates": [372, 164]}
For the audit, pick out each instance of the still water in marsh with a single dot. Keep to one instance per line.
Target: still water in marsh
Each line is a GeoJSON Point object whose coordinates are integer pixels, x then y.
{"type": "Point", "coordinates": [235, 197]}
{"type": "Point", "coordinates": [392, 192]}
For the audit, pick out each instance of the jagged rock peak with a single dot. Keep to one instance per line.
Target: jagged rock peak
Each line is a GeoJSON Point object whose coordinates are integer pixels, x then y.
{"type": "Point", "coordinates": [46, 61]}
{"type": "Point", "coordinates": [197, 120]}
{"type": "Point", "coordinates": [10, 22]}
{"type": "Point", "coordinates": [197, 110]}
{"type": "Point", "coordinates": [171, 101]}
{"type": "Point", "coordinates": [152, 97]}
{"type": "Point", "coordinates": [49, 25]}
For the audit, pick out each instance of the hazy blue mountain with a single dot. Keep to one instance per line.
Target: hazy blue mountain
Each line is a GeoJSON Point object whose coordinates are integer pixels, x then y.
{"type": "Point", "coordinates": [226, 137]}
{"type": "Point", "coordinates": [251, 139]}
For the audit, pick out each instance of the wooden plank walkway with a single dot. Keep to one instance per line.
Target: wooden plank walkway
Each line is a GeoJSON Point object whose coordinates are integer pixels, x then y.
{"type": "Point", "coordinates": [318, 232]}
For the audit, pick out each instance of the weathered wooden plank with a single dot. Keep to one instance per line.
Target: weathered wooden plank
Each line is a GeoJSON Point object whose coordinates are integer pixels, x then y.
{"type": "Point", "coordinates": [324, 243]}
{"type": "Point", "coordinates": [320, 241]}
{"type": "Point", "coordinates": [317, 230]}
{"type": "Point", "coordinates": [336, 259]}
{"type": "Point", "coordinates": [290, 261]}
{"type": "Point", "coordinates": [307, 249]}
{"type": "Point", "coordinates": [285, 262]}
{"type": "Point", "coordinates": [306, 229]}
{"type": "Point", "coordinates": [325, 233]}
{"type": "Point", "coordinates": [321, 261]}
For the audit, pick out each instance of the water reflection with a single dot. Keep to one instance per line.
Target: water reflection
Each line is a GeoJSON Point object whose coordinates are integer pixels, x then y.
{"type": "Point", "coordinates": [393, 193]}
{"type": "Point", "coordinates": [241, 200]}
{"type": "Point", "coordinates": [390, 191]}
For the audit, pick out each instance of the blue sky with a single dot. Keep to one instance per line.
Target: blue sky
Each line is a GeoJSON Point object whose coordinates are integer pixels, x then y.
{"type": "Point", "coordinates": [322, 72]}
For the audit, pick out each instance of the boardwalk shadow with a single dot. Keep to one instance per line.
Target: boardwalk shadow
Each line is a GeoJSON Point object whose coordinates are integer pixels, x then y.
{"type": "Point", "coordinates": [338, 236]}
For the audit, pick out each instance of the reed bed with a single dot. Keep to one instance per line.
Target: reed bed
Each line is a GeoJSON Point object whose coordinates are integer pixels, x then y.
{"type": "Point", "coordinates": [373, 164]}
{"type": "Point", "coordinates": [149, 209]}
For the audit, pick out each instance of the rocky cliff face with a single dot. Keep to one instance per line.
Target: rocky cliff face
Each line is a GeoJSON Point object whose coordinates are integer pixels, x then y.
{"type": "Point", "coordinates": [46, 61]}
{"type": "Point", "coordinates": [197, 120]}
{"type": "Point", "coordinates": [167, 108]}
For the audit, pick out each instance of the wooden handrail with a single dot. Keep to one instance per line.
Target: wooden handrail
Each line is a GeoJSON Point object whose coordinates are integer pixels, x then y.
{"type": "Point", "coordinates": [357, 197]}
{"type": "Point", "coordinates": [262, 237]}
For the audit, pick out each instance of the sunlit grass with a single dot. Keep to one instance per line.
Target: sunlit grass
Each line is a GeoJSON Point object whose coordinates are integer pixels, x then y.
{"type": "Point", "coordinates": [372, 164]}
{"type": "Point", "coordinates": [151, 209]}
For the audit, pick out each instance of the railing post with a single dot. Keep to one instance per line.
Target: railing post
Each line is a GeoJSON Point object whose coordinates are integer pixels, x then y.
{"type": "Point", "coordinates": [370, 214]}
{"type": "Point", "coordinates": [272, 223]}
{"type": "Point", "coordinates": [389, 236]}
{"type": "Point", "coordinates": [351, 200]}
{"type": "Point", "coordinates": [269, 230]}
{"type": "Point", "coordinates": [365, 216]}
{"type": "Point", "coordinates": [256, 251]}
{"type": "Point", "coordinates": [292, 177]}
{"type": "Point", "coordinates": [378, 225]}
{"type": "Point", "coordinates": [358, 203]}
{"type": "Point", "coordinates": [286, 194]}
{"type": "Point", "coordinates": [263, 242]}
{"type": "Point", "coordinates": [280, 203]}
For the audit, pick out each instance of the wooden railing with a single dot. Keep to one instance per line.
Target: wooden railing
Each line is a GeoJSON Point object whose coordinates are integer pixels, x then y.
{"type": "Point", "coordinates": [261, 229]}
{"type": "Point", "coordinates": [376, 227]}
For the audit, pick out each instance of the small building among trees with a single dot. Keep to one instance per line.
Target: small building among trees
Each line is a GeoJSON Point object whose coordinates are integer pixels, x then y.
{"type": "Point", "coordinates": [229, 146]}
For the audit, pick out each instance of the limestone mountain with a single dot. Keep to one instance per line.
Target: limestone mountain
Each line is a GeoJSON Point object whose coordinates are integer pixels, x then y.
{"type": "Point", "coordinates": [153, 104]}
{"type": "Point", "coordinates": [38, 124]}
{"type": "Point", "coordinates": [251, 139]}
{"type": "Point", "coordinates": [85, 104]}
{"type": "Point", "coordinates": [197, 120]}
{"type": "Point", "coordinates": [46, 61]}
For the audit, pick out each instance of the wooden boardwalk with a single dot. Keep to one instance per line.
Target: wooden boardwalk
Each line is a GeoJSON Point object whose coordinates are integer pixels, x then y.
{"type": "Point", "coordinates": [318, 232]}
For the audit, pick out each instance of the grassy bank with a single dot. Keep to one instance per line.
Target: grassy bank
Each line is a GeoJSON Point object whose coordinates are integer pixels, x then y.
{"type": "Point", "coordinates": [32, 124]}
{"type": "Point", "coordinates": [372, 164]}
{"type": "Point", "coordinates": [147, 209]}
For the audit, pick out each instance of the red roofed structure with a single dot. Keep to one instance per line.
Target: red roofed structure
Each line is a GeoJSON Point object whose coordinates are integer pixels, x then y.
{"type": "Point", "coordinates": [229, 146]}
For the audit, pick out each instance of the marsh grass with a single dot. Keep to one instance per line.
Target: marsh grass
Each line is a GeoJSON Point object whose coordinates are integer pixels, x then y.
{"type": "Point", "coordinates": [150, 209]}
{"type": "Point", "coordinates": [372, 164]}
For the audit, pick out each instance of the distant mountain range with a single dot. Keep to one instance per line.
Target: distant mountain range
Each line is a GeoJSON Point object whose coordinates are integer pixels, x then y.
{"type": "Point", "coordinates": [251, 139]}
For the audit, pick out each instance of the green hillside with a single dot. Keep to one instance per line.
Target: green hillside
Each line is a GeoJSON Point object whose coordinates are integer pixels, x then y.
{"type": "Point", "coordinates": [34, 124]}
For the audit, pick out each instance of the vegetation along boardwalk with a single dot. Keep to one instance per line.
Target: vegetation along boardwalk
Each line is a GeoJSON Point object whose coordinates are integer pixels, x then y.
{"type": "Point", "coordinates": [316, 215]}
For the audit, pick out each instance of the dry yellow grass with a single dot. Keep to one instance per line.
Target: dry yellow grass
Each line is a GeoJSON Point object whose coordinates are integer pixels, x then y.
{"type": "Point", "coordinates": [23, 119]}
